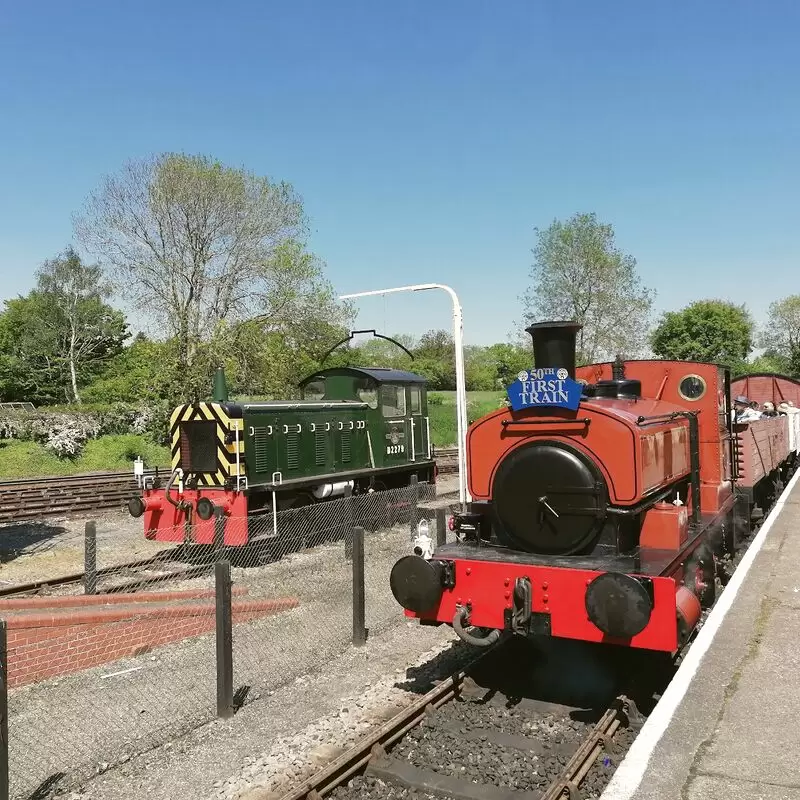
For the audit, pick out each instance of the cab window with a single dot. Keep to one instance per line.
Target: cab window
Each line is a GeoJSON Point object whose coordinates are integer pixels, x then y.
{"type": "Point", "coordinates": [416, 400]}
{"type": "Point", "coordinates": [314, 390]}
{"type": "Point", "coordinates": [393, 400]}
{"type": "Point", "coordinates": [367, 392]}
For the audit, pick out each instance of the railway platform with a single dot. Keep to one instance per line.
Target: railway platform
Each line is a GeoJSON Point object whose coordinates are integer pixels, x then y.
{"type": "Point", "coordinates": [728, 726]}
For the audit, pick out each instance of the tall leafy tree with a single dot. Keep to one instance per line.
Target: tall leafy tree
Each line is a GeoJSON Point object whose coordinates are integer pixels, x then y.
{"type": "Point", "coordinates": [61, 334]}
{"type": "Point", "coordinates": [435, 358]}
{"type": "Point", "coordinates": [782, 331]}
{"type": "Point", "coordinates": [88, 331]}
{"type": "Point", "coordinates": [193, 244]}
{"type": "Point", "coordinates": [706, 330]}
{"type": "Point", "coordinates": [30, 370]}
{"type": "Point", "coordinates": [580, 274]}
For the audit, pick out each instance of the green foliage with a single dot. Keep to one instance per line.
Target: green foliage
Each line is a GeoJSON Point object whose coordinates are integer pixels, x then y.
{"type": "Point", "coordinates": [579, 274]}
{"type": "Point", "coordinates": [707, 330]}
{"type": "Point", "coordinates": [23, 459]}
{"type": "Point", "coordinates": [213, 257]}
{"type": "Point", "coordinates": [58, 337]}
{"type": "Point", "coordinates": [142, 372]}
{"type": "Point", "coordinates": [768, 361]}
{"type": "Point", "coordinates": [495, 367]}
{"type": "Point", "coordinates": [782, 332]}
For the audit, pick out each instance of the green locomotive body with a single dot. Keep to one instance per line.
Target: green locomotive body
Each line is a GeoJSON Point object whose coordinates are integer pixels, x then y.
{"type": "Point", "coordinates": [354, 430]}
{"type": "Point", "coordinates": [354, 426]}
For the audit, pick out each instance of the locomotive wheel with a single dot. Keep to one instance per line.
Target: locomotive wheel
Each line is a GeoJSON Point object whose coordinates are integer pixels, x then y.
{"type": "Point", "coordinates": [699, 575]}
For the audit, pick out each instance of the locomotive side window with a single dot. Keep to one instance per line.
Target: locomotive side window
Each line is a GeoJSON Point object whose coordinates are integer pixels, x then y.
{"type": "Point", "coordinates": [416, 400]}
{"type": "Point", "coordinates": [315, 390]}
{"type": "Point", "coordinates": [692, 387]}
{"type": "Point", "coordinates": [367, 393]}
{"type": "Point", "coordinates": [393, 400]}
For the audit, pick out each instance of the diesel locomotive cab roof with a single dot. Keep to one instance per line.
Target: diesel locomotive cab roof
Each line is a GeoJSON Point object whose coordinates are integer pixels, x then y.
{"type": "Point", "coordinates": [379, 374]}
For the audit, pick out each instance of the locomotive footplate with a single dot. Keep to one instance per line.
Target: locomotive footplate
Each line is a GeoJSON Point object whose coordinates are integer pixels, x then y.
{"type": "Point", "coordinates": [603, 559]}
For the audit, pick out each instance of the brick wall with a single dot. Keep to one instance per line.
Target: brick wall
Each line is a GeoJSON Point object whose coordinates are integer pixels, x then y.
{"type": "Point", "coordinates": [48, 637]}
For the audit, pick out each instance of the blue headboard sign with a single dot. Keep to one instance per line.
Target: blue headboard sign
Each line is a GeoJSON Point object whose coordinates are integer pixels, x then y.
{"type": "Point", "coordinates": [549, 387]}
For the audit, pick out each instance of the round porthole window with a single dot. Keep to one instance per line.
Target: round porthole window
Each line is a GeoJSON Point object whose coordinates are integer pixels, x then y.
{"type": "Point", "coordinates": [692, 387]}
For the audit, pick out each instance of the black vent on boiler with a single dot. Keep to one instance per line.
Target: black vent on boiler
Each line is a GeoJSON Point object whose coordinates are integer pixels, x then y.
{"type": "Point", "coordinates": [554, 344]}
{"type": "Point", "coordinates": [199, 446]}
{"type": "Point", "coordinates": [625, 389]}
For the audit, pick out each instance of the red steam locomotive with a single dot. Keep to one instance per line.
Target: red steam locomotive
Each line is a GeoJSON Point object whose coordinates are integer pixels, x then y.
{"type": "Point", "coordinates": [602, 500]}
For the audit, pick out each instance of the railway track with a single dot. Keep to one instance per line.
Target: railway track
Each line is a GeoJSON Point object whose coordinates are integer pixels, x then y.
{"type": "Point", "coordinates": [35, 498]}
{"type": "Point", "coordinates": [474, 738]}
{"type": "Point", "coordinates": [130, 576]}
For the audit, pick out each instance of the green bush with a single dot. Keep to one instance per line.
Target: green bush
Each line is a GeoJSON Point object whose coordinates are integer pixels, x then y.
{"type": "Point", "coordinates": [20, 459]}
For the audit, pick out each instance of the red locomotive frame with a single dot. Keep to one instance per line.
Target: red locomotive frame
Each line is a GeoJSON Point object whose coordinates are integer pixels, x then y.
{"type": "Point", "coordinates": [661, 463]}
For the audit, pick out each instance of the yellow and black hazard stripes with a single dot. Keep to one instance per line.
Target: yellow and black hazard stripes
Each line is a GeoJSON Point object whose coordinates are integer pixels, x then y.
{"type": "Point", "coordinates": [204, 443]}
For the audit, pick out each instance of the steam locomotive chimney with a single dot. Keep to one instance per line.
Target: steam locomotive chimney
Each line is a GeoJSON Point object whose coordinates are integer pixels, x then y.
{"type": "Point", "coordinates": [554, 344]}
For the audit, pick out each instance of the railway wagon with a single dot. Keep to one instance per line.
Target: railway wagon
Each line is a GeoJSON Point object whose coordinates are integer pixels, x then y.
{"type": "Point", "coordinates": [767, 386]}
{"type": "Point", "coordinates": [355, 429]}
{"type": "Point", "coordinates": [603, 498]}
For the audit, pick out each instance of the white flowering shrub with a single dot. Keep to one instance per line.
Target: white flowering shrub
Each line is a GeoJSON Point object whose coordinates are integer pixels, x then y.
{"type": "Point", "coordinates": [65, 432]}
{"type": "Point", "coordinates": [66, 441]}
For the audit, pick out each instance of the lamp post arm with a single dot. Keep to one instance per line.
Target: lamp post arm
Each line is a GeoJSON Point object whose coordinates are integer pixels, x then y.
{"type": "Point", "coordinates": [461, 385]}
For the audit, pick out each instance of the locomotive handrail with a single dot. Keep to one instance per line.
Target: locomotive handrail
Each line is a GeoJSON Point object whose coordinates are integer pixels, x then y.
{"type": "Point", "coordinates": [648, 502]}
{"type": "Point", "coordinates": [658, 418]}
{"type": "Point", "coordinates": [585, 421]}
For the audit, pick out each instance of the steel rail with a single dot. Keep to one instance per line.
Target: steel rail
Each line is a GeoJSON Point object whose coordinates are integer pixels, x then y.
{"type": "Point", "coordinates": [373, 746]}
{"type": "Point", "coordinates": [351, 761]}
{"type": "Point", "coordinates": [164, 556]}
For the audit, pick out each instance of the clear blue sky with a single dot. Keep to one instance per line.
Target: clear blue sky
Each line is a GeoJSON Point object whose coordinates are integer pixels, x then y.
{"type": "Point", "coordinates": [428, 140]}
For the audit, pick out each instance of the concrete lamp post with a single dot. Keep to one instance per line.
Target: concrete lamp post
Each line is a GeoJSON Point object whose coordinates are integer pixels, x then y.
{"type": "Point", "coordinates": [461, 386]}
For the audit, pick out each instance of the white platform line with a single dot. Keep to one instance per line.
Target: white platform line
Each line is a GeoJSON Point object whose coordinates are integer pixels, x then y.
{"type": "Point", "coordinates": [628, 777]}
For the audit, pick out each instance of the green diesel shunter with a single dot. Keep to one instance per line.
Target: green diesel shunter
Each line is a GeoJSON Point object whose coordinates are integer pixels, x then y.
{"type": "Point", "coordinates": [355, 429]}
{"type": "Point", "coordinates": [366, 428]}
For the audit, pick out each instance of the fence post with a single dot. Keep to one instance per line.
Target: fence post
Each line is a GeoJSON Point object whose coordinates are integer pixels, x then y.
{"type": "Point", "coordinates": [219, 531]}
{"type": "Point", "coordinates": [441, 526]}
{"type": "Point", "coordinates": [359, 593]}
{"type": "Point", "coordinates": [348, 522]}
{"type": "Point", "coordinates": [4, 773]}
{"type": "Point", "coordinates": [90, 558]}
{"type": "Point", "coordinates": [224, 639]}
{"type": "Point", "coordinates": [414, 518]}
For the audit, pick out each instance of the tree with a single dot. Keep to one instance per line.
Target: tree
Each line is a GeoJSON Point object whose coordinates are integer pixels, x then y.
{"type": "Point", "coordinates": [141, 372]}
{"type": "Point", "coordinates": [61, 334]}
{"type": "Point", "coordinates": [87, 330]}
{"type": "Point", "coordinates": [435, 358]}
{"type": "Point", "coordinates": [782, 332]}
{"type": "Point", "coordinates": [496, 366]}
{"type": "Point", "coordinates": [29, 368]}
{"type": "Point", "coordinates": [768, 361]}
{"type": "Point", "coordinates": [193, 243]}
{"type": "Point", "coordinates": [707, 330]}
{"type": "Point", "coordinates": [579, 274]}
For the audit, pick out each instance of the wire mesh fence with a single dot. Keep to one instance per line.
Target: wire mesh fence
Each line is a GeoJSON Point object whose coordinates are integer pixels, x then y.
{"type": "Point", "coordinates": [124, 656]}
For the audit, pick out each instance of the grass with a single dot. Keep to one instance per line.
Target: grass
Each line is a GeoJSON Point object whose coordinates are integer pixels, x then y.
{"type": "Point", "coordinates": [442, 413]}
{"type": "Point", "coordinates": [106, 454]}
